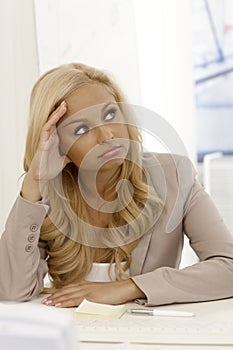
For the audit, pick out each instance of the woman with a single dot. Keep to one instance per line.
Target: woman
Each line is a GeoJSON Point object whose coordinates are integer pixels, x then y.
{"type": "Point", "coordinates": [91, 199]}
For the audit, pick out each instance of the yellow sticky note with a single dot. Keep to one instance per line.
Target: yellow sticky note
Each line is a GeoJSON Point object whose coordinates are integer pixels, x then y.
{"type": "Point", "coordinates": [97, 310]}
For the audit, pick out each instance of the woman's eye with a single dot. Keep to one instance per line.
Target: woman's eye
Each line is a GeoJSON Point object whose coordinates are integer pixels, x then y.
{"type": "Point", "coordinates": [81, 130]}
{"type": "Point", "coordinates": [110, 114]}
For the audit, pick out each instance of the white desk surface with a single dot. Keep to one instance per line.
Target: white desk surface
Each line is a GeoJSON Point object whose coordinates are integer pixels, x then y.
{"type": "Point", "coordinates": [210, 329]}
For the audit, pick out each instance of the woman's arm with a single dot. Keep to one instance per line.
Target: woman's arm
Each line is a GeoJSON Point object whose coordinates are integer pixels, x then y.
{"type": "Point", "coordinates": [22, 257]}
{"type": "Point", "coordinates": [212, 277]}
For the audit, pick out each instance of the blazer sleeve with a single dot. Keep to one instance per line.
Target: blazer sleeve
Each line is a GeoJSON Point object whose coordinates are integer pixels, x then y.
{"type": "Point", "coordinates": [22, 256]}
{"type": "Point", "coordinates": [209, 279]}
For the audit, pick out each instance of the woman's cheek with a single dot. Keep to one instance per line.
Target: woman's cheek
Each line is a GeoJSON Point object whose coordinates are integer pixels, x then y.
{"type": "Point", "coordinates": [79, 150]}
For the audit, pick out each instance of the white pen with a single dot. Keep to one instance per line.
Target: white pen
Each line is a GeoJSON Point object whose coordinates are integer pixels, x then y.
{"type": "Point", "coordinates": [153, 312]}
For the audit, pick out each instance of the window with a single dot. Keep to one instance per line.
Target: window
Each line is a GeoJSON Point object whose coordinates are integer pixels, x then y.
{"type": "Point", "coordinates": [213, 71]}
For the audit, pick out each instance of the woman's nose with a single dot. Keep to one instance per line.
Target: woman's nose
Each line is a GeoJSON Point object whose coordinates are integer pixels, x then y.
{"type": "Point", "coordinates": [104, 134]}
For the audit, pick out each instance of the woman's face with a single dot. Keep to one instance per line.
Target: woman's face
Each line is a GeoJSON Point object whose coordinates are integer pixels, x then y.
{"type": "Point", "coordinates": [93, 132]}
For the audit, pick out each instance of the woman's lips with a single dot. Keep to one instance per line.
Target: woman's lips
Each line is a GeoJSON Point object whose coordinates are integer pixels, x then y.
{"type": "Point", "coordinates": [110, 152]}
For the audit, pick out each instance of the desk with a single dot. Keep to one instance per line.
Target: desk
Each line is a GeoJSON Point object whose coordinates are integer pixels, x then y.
{"type": "Point", "coordinates": [210, 329]}
{"type": "Point", "coordinates": [213, 324]}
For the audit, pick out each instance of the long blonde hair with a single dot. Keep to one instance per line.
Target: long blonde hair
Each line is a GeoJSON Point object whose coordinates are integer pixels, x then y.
{"type": "Point", "coordinates": [70, 260]}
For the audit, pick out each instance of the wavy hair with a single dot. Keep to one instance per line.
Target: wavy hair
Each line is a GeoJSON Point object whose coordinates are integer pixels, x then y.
{"type": "Point", "coordinates": [70, 259]}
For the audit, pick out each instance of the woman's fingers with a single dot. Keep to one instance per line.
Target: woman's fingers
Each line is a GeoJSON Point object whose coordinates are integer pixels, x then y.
{"type": "Point", "coordinates": [50, 125]}
{"type": "Point", "coordinates": [57, 114]}
{"type": "Point", "coordinates": [48, 162]}
{"type": "Point", "coordinates": [71, 299]}
{"type": "Point", "coordinates": [69, 296]}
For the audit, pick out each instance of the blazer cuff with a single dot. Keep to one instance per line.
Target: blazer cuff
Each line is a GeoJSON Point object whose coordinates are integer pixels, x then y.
{"type": "Point", "coordinates": [40, 202]}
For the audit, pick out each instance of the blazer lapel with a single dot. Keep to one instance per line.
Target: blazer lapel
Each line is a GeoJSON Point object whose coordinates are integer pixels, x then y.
{"type": "Point", "coordinates": [139, 254]}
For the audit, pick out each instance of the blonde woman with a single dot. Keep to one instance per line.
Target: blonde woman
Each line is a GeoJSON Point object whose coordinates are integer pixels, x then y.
{"type": "Point", "coordinates": [105, 220]}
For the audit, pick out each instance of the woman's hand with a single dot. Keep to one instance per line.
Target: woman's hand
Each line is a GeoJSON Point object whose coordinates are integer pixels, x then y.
{"type": "Point", "coordinates": [47, 162]}
{"type": "Point", "coordinates": [118, 292]}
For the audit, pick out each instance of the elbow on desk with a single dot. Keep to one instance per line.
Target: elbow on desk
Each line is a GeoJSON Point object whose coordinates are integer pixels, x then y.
{"type": "Point", "coordinates": [18, 294]}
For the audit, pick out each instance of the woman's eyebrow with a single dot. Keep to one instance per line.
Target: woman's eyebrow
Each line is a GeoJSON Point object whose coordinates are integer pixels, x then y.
{"type": "Point", "coordinates": [106, 105]}
{"type": "Point", "coordinates": [76, 120]}
{"type": "Point", "coordinates": [85, 120]}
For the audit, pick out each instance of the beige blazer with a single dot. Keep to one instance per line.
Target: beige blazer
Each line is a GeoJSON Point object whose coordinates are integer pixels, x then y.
{"type": "Point", "coordinates": [155, 261]}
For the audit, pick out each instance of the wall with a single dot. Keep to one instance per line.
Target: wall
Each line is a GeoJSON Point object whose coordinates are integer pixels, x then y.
{"type": "Point", "coordinates": [100, 33]}
{"type": "Point", "coordinates": [164, 39]}
{"type": "Point", "coordinates": [18, 70]}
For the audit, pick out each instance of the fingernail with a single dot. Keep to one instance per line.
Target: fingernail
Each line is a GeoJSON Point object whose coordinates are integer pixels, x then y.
{"type": "Point", "coordinates": [48, 302]}
{"type": "Point", "coordinates": [57, 305]}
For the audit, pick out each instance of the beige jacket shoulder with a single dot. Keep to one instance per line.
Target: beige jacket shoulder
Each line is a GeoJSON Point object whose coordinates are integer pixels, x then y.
{"type": "Point", "coordinates": [155, 261]}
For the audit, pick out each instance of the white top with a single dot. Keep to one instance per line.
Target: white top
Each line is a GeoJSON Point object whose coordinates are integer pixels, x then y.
{"type": "Point", "coordinates": [100, 272]}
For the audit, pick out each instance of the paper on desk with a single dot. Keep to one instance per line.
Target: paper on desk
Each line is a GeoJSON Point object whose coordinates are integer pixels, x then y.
{"type": "Point", "coordinates": [96, 310]}
{"type": "Point", "coordinates": [118, 346]}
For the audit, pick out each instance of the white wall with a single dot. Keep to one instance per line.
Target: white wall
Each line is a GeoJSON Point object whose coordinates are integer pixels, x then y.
{"type": "Point", "coordinates": [100, 33]}
{"type": "Point", "coordinates": [18, 70]}
{"type": "Point", "coordinates": [164, 40]}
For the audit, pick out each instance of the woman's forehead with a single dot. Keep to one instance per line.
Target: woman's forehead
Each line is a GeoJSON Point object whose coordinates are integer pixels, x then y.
{"type": "Point", "coordinates": [87, 96]}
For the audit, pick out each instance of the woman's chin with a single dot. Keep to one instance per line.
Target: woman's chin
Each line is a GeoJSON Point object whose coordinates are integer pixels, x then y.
{"type": "Point", "coordinates": [112, 164]}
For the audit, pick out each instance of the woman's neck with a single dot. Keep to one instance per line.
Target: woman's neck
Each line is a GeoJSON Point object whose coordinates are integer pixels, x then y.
{"type": "Point", "coordinates": [101, 186]}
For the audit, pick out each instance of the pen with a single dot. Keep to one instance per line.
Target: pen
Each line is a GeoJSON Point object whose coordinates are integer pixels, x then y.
{"type": "Point", "coordinates": [153, 312]}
